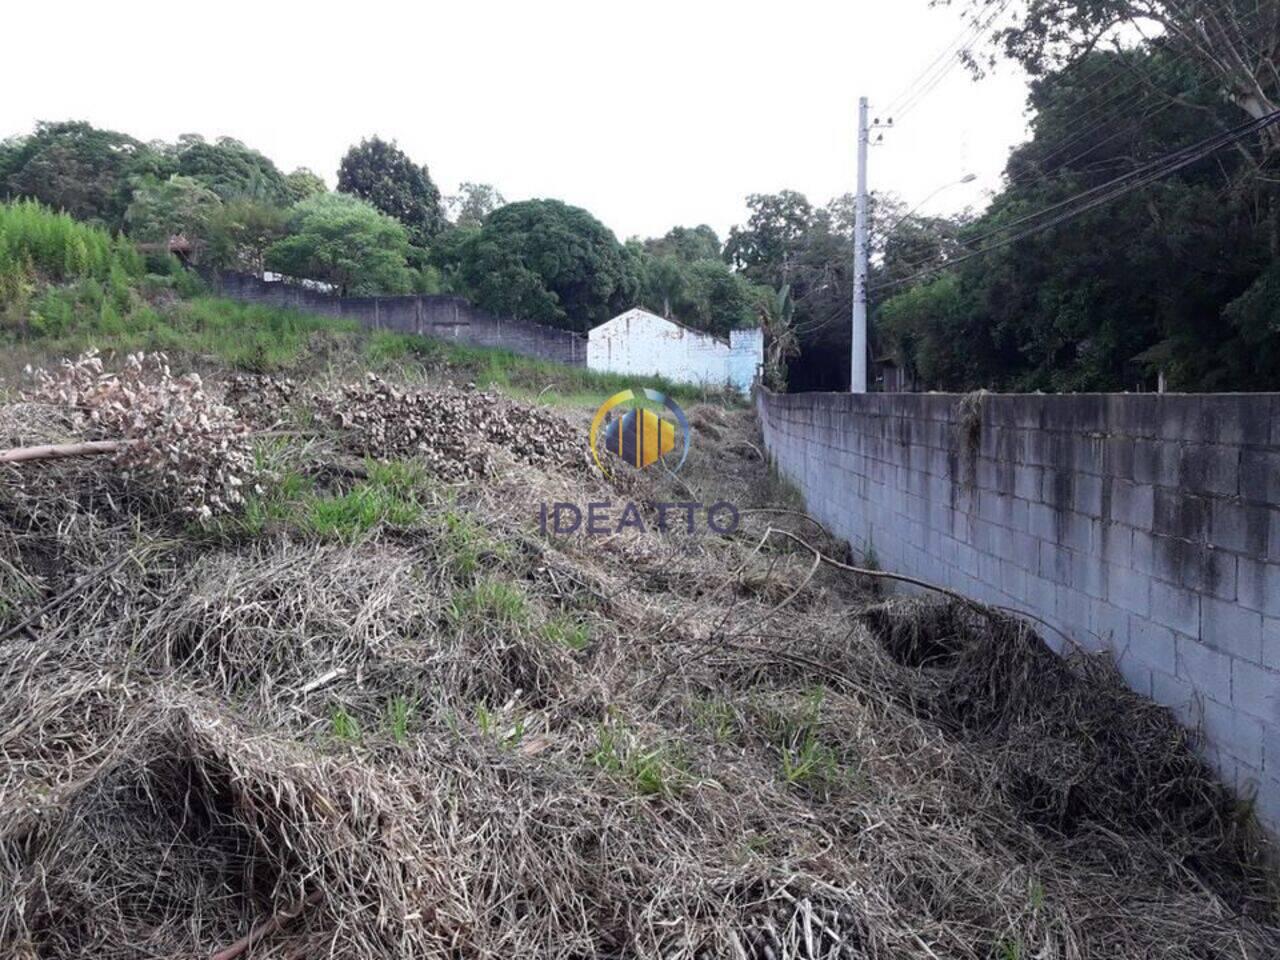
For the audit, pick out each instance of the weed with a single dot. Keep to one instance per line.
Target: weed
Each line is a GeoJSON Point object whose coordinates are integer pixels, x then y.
{"type": "Point", "coordinates": [490, 725]}
{"type": "Point", "coordinates": [806, 761]}
{"type": "Point", "coordinates": [659, 771]}
{"type": "Point", "coordinates": [717, 718]}
{"type": "Point", "coordinates": [343, 725]}
{"type": "Point", "coordinates": [399, 710]}
{"type": "Point", "coordinates": [353, 514]}
{"type": "Point", "coordinates": [561, 630]}
{"type": "Point", "coordinates": [490, 602]}
{"type": "Point", "coordinates": [467, 544]}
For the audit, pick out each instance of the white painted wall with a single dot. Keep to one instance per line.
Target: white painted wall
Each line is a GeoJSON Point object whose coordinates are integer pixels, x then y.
{"type": "Point", "coordinates": [642, 343]}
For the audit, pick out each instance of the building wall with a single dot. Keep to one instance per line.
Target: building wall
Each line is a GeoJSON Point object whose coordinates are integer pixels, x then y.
{"type": "Point", "coordinates": [444, 318]}
{"type": "Point", "coordinates": [1144, 524]}
{"type": "Point", "coordinates": [643, 344]}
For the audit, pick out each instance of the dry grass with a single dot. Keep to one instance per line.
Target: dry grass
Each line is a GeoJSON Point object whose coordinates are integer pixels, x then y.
{"type": "Point", "coordinates": [451, 737]}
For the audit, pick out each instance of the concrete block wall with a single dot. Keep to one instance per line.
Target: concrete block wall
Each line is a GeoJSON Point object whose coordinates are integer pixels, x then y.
{"type": "Point", "coordinates": [1148, 525]}
{"type": "Point", "coordinates": [441, 317]}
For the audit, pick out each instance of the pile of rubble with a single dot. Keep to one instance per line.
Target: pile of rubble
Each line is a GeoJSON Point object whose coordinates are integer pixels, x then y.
{"type": "Point", "coordinates": [453, 432]}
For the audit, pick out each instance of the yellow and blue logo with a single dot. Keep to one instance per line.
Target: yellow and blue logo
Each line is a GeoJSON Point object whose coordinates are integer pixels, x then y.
{"type": "Point", "coordinates": [640, 436]}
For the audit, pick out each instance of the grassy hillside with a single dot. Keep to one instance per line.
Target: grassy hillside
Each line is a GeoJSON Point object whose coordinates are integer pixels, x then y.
{"type": "Point", "coordinates": [66, 287]}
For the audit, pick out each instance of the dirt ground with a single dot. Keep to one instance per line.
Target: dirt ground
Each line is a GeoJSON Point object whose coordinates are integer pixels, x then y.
{"type": "Point", "coordinates": [374, 711]}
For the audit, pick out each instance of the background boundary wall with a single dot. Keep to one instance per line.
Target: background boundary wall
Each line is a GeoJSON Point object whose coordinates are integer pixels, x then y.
{"type": "Point", "coordinates": [1145, 524]}
{"type": "Point", "coordinates": [442, 317]}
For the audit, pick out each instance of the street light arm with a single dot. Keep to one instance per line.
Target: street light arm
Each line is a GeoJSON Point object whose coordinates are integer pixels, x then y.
{"type": "Point", "coordinates": [967, 178]}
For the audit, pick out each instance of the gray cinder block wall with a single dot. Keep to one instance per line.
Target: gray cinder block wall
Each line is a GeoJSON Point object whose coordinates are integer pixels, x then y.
{"type": "Point", "coordinates": [445, 318]}
{"type": "Point", "coordinates": [1149, 525]}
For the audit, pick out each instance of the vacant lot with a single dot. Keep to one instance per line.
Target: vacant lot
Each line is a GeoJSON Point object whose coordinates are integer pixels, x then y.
{"type": "Point", "coordinates": [327, 691]}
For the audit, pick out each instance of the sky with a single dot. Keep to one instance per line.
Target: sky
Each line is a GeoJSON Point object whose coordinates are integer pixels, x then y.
{"type": "Point", "coordinates": [648, 114]}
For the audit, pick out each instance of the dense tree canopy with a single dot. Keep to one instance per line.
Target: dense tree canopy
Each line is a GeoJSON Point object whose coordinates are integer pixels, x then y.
{"type": "Point", "coordinates": [77, 168]}
{"type": "Point", "coordinates": [230, 169]}
{"type": "Point", "coordinates": [545, 261]}
{"type": "Point", "coordinates": [179, 205]}
{"type": "Point", "coordinates": [682, 276]}
{"type": "Point", "coordinates": [382, 174]}
{"type": "Point", "coordinates": [241, 231]}
{"type": "Point", "coordinates": [301, 184]}
{"type": "Point", "coordinates": [344, 241]}
{"type": "Point", "coordinates": [1172, 278]}
{"type": "Point", "coordinates": [1232, 43]}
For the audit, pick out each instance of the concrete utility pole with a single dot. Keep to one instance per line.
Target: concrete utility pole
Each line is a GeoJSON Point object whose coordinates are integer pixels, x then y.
{"type": "Point", "coordinates": [861, 256]}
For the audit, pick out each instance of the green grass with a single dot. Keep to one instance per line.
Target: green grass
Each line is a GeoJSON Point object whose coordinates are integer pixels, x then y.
{"type": "Point", "coordinates": [527, 377]}
{"type": "Point", "coordinates": [392, 494]}
{"type": "Point", "coordinates": [717, 718]}
{"type": "Point", "coordinates": [351, 515]}
{"type": "Point", "coordinates": [806, 761]}
{"type": "Point", "coordinates": [567, 633]}
{"type": "Point", "coordinates": [399, 711]}
{"type": "Point", "coordinates": [343, 726]}
{"type": "Point", "coordinates": [490, 603]}
{"type": "Point", "coordinates": [467, 545]}
{"type": "Point", "coordinates": [656, 771]}
{"type": "Point", "coordinates": [252, 337]}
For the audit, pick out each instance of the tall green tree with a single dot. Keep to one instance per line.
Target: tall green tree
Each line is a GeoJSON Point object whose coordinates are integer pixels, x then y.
{"type": "Point", "coordinates": [241, 231]}
{"type": "Point", "coordinates": [1167, 279]}
{"type": "Point", "coordinates": [342, 240]}
{"type": "Point", "coordinates": [686, 244]}
{"type": "Point", "coordinates": [230, 169]}
{"type": "Point", "coordinates": [473, 202]}
{"type": "Point", "coordinates": [1232, 43]}
{"type": "Point", "coordinates": [302, 184]}
{"type": "Point", "coordinates": [78, 168]}
{"type": "Point", "coordinates": [161, 209]}
{"type": "Point", "coordinates": [542, 260]}
{"type": "Point", "coordinates": [382, 174]}
{"type": "Point", "coordinates": [768, 245]}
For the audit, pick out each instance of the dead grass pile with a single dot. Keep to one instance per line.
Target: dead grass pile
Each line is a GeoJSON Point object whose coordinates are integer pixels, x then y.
{"type": "Point", "coordinates": [452, 432]}
{"type": "Point", "coordinates": [177, 440]}
{"type": "Point", "coordinates": [460, 739]}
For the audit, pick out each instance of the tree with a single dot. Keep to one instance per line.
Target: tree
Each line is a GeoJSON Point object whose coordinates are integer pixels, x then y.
{"type": "Point", "coordinates": [302, 184]}
{"type": "Point", "coordinates": [78, 168]}
{"type": "Point", "coordinates": [542, 260]}
{"type": "Point", "coordinates": [1167, 279]}
{"type": "Point", "coordinates": [663, 282]}
{"type": "Point", "coordinates": [719, 300]}
{"type": "Point", "coordinates": [230, 169]}
{"type": "Point", "coordinates": [242, 230]}
{"type": "Point", "coordinates": [344, 241]}
{"type": "Point", "coordinates": [686, 244]}
{"type": "Point", "coordinates": [473, 202]}
{"type": "Point", "coordinates": [161, 209]}
{"type": "Point", "coordinates": [1234, 42]}
{"type": "Point", "coordinates": [383, 175]}
{"type": "Point", "coordinates": [767, 246]}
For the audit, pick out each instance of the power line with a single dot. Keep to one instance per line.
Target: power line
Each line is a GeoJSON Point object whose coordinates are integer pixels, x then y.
{"type": "Point", "coordinates": [1173, 60]}
{"type": "Point", "coordinates": [940, 68]}
{"type": "Point", "coordinates": [1103, 195]}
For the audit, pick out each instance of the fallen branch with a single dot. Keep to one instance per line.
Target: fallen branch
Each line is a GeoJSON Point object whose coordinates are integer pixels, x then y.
{"type": "Point", "coordinates": [266, 928]}
{"type": "Point", "coordinates": [61, 451]}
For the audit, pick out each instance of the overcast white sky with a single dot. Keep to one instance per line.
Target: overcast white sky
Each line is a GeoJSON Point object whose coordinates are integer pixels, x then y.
{"type": "Point", "coordinates": [649, 114]}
